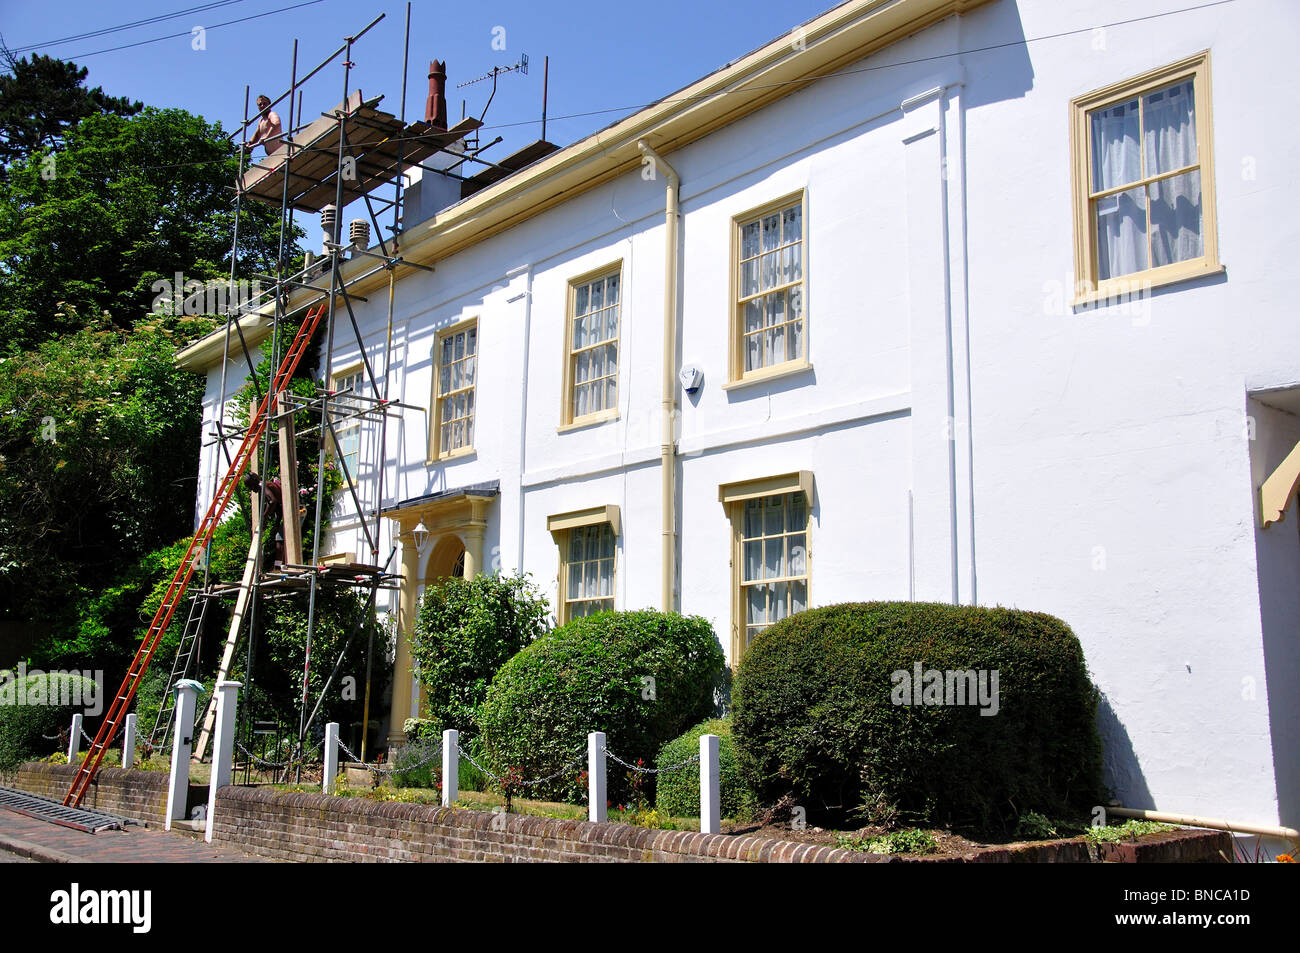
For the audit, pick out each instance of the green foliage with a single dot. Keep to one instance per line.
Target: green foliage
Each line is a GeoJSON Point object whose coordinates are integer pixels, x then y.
{"type": "Point", "coordinates": [465, 630]}
{"type": "Point", "coordinates": [1130, 830]}
{"type": "Point", "coordinates": [678, 792]}
{"type": "Point", "coordinates": [282, 649]}
{"type": "Point", "coordinates": [814, 718]}
{"type": "Point", "coordinates": [23, 727]}
{"type": "Point", "coordinates": [41, 98]}
{"type": "Point", "coordinates": [1034, 826]}
{"type": "Point", "coordinates": [417, 765]}
{"type": "Point", "coordinates": [132, 201]}
{"type": "Point", "coordinates": [99, 440]}
{"type": "Point", "coordinates": [911, 841]}
{"type": "Point", "coordinates": [641, 677]}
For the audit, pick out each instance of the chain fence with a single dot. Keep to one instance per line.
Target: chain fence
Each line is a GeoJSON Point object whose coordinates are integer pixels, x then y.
{"type": "Point", "coordinates": [386, 770]}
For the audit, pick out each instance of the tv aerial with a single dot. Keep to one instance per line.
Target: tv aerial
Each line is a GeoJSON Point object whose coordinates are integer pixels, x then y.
{"type": "Point", "coordinates": [521, 66]}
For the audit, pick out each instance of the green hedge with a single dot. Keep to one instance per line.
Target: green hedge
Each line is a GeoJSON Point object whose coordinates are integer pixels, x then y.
{"type": "Point", "coordinates": [815, 716]}
{"type": "Point", "coordinates": [641, 677]}
{"type": "Point", "coordinates": [27, 714]}
{"type": "Point", "coordinates": [679, 791]}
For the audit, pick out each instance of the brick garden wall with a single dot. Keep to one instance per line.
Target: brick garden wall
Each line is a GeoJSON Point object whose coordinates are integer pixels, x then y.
{"type": "Point", "coordinates": [316, 827]}
{"type": "Point", "coordinates": [137, 795]}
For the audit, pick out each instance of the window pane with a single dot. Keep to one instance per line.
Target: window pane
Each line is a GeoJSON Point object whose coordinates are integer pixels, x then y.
{"type": "Point", "coordinates": [1169, 129]}
{"type": "Point", "coordinates": [771, 231]}
{"type": "Point", "coordinates": [753, 314]}
{"type": "Point", "coordinates": [792, 223]}
{"type": "Point", "coordinates": [591, 581]}
{"type": "Point", "coordinates": [1121, 224]}
{"type": "Point", "coordinates": [444, 380]}
{"type": "Point", "coordinates": [1176, 219]}
{"type": "Point", "coordinates": [753, 519]}
{"type": "Point", "coordinates": [780, 607]}
{"type": "Point", "coordinates": [753, 560]}
{"type": "Point", "coordinates": [581, 297]}
{"type": "Point", "coordinates": [754, 352]}
{"type": "Point", "coordinates": [459, 350]}
{"type": "Point", "coordinates": [798, 597]}
{"type": "Point", "coordinates": [749, 278]}
{"type": "Point", "coordinates": [1115, 157]}
{"type": "Point", "coordinates": [611, 323]}
{"type": "Point", "coordinates": [795, 555]}
{"type": "Point", "coordinates": [607, 541]}
{"type": "Point", "coordinates": [775, 308]}
{"type": "Point", "coordinates": [774, 565]}
{"type": "Point", "coordinates": [606, 577]}
{"type": "Point", "coordinates": [471, 347]}
{"type": "Point", "coordinates": [794, 341]}
{"type": "Point", "coordinates": [575, 580]}
{"type": "Point", "coordinates": [756, 605]}
{"type": "Point", "coordinates": [611, 392]}
{"type": "Point", "coordinates": [611, 290]}
{"type": "Point", "coordinates": [597, 295]}
{"type": "Point", "coordinates": [749, 240]}
{"type": "Point", "coordinates": [773, 516]}
{"type": "Point", "coordinates": [797, 517]}
{"type": "Point", "coordinates": [770, 271]}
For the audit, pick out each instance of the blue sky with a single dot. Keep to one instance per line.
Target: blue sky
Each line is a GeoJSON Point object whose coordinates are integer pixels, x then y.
{"type": "Point", "coordinates": [604, 56]}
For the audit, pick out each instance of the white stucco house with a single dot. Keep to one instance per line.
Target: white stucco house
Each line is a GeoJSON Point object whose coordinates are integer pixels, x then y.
{"type": "Point", "coordinates": [971, 301]}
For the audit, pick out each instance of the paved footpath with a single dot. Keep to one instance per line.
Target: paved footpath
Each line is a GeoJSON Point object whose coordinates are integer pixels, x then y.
{"type": "Point", "coordinates": [49, 843]}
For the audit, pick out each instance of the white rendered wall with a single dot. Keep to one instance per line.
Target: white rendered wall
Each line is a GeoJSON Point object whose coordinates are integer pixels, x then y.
{"type": "Point", "coordinates": [1086, 462]}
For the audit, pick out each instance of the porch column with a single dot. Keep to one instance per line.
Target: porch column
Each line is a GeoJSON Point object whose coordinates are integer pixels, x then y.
{"type": "Point", "coordinates": [472, 536]}
{"type": "Point", "coordinates": [402, 669]}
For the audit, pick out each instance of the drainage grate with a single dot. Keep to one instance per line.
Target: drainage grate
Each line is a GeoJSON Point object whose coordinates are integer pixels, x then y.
{"type": "Point", "coordinates": [47, 809]}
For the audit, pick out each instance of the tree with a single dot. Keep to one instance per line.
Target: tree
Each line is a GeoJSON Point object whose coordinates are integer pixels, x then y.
{"type": "Point", "coordinates": [465, 631]}
{"type": "Point", "coordinates": [41, 98]}
{"type": "Point", "coordinates": [90, 231]}
{"type": "Point", "coordinates": [99, 441]}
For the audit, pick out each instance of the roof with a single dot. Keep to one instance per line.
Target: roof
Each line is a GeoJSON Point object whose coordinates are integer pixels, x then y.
{"type": "Point", "coordinates": [489, 489]}
{"type": "Point", "coordinates": [826, 43]}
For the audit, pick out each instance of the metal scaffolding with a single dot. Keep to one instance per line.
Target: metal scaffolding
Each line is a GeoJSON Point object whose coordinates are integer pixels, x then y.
{"type": "Point", "coordinates": [343, 155]}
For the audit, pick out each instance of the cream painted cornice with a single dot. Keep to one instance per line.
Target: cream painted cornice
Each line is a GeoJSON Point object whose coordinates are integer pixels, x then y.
{"type": "Point", "coordinates": [787, 64]}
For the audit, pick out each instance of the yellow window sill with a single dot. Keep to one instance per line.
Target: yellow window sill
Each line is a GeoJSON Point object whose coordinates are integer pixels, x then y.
{"type": "Point", "coordinates": [590, 420]}
{"type": "Point", "coordinates": [788, 369]}
{"type": "Point", "coordinates": [1137, 284]}
{"type": "Point", "coordinates": [451, 455]}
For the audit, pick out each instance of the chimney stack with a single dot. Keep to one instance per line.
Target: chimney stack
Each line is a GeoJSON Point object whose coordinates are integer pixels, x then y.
{"type": "Point", "coordinates": [435, 108]}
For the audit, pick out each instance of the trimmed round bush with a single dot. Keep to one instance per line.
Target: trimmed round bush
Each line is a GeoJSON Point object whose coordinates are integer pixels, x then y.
{"type": "Point", "coordinates": [641, 677]}
{"type": "Point", "coordinates": [31, 709]}
{"type": "Point", "coordinates": [825, 711]}
{"type": "Point", "coordinates": [679, 791]}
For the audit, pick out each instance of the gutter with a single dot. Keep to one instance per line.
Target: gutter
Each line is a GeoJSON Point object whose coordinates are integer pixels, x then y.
{"type": "Point", "coordinates": [668, 406]}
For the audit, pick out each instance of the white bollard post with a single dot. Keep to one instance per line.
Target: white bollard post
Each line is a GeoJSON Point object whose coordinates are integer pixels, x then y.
{"type": "Point", "coordinates": [128, 741]}
{"type": "Point", "coordinates": [178, 786]}
{"type": "Point", "coordinates": [223, 747]}
{"type": "Point", "coordinates": [450, 767]}
{"type": "Point", "coordinates": [596, 806]}
{"type": "Point", "coordinates": [331, 769]}
{"type": "Point", "coordinates": [710, 789]}
{"type": "Point", "coordinates": [74, 739]}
